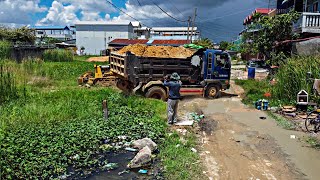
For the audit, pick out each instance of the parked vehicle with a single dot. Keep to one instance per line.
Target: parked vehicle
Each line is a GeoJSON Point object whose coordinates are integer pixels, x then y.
{"type": "Point", "coordinates": [205, 73]}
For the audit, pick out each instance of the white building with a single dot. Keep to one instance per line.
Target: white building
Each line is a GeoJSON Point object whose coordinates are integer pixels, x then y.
{"type": "Point", "coordinates": [94, 36]}
{"type": "Point", "coordinates": [173, 33]}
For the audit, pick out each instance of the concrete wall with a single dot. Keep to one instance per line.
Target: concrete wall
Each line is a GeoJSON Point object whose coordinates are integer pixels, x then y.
{"type": "Point", "coordinates": [310, 47]}
{"type": "Point", "coordinates": [95, 38]}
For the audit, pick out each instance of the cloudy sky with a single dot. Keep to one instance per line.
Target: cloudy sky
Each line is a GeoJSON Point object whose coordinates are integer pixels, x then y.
{"type": "Point", "coordinates": [217, 19]}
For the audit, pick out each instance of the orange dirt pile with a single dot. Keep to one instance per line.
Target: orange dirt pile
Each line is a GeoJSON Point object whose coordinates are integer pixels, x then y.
{"type": "Point", "coordinates": [157, 51]}
{"type": "Point", "coordinates": [98, 59]}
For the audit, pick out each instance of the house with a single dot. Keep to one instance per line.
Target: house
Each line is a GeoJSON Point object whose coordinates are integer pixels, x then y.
{"type": "Point", "coordinates": [94, 36]}
{"type": "Point", "coordinates": [309, 22]}
{"type": "Point", "coordinates": [174, 33]}
{"type": "Point", "coordinates": [62, 33]}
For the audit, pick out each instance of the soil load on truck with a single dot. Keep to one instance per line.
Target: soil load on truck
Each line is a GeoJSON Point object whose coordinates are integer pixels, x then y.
{"type": "Point", "coordinates": [157, 51]}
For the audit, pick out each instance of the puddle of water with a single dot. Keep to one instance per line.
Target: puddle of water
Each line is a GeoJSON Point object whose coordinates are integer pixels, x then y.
{"type": "Point", "coordinates": [122, 159]}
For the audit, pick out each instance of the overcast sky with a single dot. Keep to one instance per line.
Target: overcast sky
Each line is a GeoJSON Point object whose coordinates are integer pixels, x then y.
{"type": "Point", "coordinates": [217, 19]}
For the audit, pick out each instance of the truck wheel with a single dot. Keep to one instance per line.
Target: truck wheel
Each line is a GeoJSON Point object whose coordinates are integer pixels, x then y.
{"type": "Point", "coordinates": [156, 93]}
{"type": "Point", "coordinates": [213, 91]}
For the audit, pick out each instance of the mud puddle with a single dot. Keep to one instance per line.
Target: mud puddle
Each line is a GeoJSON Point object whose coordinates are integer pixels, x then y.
{"type": "Point", "coordinates": [121, 172]}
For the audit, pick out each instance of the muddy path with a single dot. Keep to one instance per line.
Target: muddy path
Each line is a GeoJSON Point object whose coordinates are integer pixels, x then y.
{"type": "Point", "coordinates": [235, 143]}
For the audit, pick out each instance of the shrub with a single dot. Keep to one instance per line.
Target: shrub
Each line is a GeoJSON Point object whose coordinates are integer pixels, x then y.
{"type": "Point", "coordinates": [291, 77]}
{"type": "Point", "coordinates": [5, 49]}
{"type": "Point", "coordinates": [58, 55]}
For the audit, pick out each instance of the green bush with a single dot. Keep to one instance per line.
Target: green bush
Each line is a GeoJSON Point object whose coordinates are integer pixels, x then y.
{"type": "Point", "coordinates": [58, 55]}
{"type": "Point", "coordinates": [5, 50]}
{"type": "Point", "coordinates": [291, 77]}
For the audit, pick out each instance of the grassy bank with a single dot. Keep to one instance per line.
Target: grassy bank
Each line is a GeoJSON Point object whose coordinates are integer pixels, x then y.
{"type": "Point", "coordinates": [57, 128]}
{"type": "Point", "coordinates": [178, 159]}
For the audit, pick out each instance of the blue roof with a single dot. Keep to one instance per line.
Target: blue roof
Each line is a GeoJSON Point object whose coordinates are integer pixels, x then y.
{"type": "Point", "coordinates": [50, 27]}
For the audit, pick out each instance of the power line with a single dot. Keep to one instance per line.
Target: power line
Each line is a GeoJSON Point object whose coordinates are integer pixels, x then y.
{"type": "Point", "coordinates": [125, 12]}
{"type": "Point", "coordinates": [169, 14]}
{"type": "Point", "coordinates": [139, 3]}
{"type": "Point", "coordinates": [239, 12]}
{"type": "Point", "coordinates": [175, 7]}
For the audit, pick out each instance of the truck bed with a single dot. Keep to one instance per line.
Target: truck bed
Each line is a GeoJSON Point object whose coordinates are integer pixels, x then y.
{"type": "Point", "coordinates": [144, 69]}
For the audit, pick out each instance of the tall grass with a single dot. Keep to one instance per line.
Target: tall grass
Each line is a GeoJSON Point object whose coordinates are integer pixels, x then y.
{"type": "Point", "coordinates": [58, 55]}
{"type": "Point", "coordinates": [291, 77]}
{"type": "Point", "coordinates": [5, 49]}
{"type": "Point", "coordinates": [8, 89]}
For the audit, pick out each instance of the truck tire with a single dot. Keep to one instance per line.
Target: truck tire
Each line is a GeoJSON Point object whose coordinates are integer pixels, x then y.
{"type": "Point", "coordinates": [156, 92]}
{"type": "Point", "coordinates": [213, 91]}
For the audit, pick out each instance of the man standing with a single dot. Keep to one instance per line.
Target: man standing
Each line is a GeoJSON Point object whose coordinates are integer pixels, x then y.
{"type": "Point", "coordinates": [174, 85]}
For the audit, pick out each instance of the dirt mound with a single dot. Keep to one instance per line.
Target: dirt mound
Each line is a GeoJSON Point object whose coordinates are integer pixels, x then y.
{"type": "Point", "coordinates": [157, 51]}
{"type": "Point", "coordinates": [98, 59]}
{"type": "Point", "coordinates": [137, 49]}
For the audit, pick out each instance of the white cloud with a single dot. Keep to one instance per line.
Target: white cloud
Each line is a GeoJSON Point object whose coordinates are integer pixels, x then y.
{"type": "Point", "coordinates": [68, 12]}
{"type": "Point", "coordinates": [59, 14]}
{"type": "Point", "coordinates": [19, 11]}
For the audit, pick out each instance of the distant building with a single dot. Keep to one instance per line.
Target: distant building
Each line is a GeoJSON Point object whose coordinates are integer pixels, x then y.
{"type": "Point", "coordinates": [94, 36]}
{"type": "Point", "coordinates": [173, 33]}
{"type": "Point", "coordinates": [62, 33]}
{"type": "Point", "coordinates": [119, 43]}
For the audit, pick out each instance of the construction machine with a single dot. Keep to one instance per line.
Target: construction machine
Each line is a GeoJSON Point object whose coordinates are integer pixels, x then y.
{"type": "Point", "coordinates": [101, 76]}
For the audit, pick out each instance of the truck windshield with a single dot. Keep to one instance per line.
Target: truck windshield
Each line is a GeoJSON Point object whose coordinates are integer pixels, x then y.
{"type": "Point", "coordinates": [222, 60]}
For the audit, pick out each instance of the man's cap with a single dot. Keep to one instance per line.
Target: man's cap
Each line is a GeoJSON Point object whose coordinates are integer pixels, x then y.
{"type": "Point", "coordinates": [175, 76]}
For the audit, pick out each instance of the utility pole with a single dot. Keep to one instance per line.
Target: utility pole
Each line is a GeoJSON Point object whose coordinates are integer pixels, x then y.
{"type": "Point", "coordinates": [189, 21]}
{"type": "Point", "coordinates": [194, 19]}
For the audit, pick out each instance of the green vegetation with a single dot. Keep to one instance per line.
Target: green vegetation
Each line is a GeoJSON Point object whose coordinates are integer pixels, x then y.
{"type": "Point", "coordinates": [17, 35]}
{"type": "Point", "coordinates": [292, 77]}
{"type": "Point", "coordinates": [8, 89]}
{"type": "Point", "coordinates": [272, 29]}
{"type": "Point", "coordinates": [58, 55]}
{"type": "Point", "coordinates": [178, 159]}
{"type": "Point", "coordinates": [282, 122]}
{"type": "Point", "coordinates": [254, 90]}
{"type": "Point", "coordinates": [41, 133]}
{"type": "Point", "coordinates": [5, 50]}
{"type": "Point", "coordinates": [57, 127]}
{"type": "Point", "coordinates": [207, 43]}
{"type": "Point", "coordinates": [314, 142]}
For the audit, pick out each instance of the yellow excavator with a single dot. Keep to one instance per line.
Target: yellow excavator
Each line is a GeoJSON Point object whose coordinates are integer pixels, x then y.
{"type": "Point", "coordinates": [101, 76]}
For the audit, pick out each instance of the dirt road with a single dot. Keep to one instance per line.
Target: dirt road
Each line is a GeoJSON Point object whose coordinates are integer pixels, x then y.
{"type": "Point", "coordinates": [236, 144]}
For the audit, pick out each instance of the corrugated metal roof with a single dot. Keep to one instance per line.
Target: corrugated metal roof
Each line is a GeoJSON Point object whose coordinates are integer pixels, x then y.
{"type": "Point", "coordinates": [106, 23]}
{"type": "Point", "coordinates": [172, 29]}
{"type": "Point", "coordinates": [49, 27]}
{"type": "Point", "coordinates": [170, 42]}
{"type": "Point", "coordinates": [148, 42]}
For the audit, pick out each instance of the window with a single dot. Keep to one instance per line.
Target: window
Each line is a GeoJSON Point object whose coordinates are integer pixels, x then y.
{"type": "Point", "coordinates": [221, 60]}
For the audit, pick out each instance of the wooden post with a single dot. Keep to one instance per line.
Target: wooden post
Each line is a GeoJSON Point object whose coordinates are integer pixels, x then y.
{"type": "Point", "coordinates": [105, 109]}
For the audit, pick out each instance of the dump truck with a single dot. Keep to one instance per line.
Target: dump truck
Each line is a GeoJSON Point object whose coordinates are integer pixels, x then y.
{"type": "Point", "coordinates": [205, 73]}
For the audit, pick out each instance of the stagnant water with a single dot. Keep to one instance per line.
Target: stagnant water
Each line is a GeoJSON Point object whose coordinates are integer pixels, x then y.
{"type": "Point", "coordinates": [122, 172]}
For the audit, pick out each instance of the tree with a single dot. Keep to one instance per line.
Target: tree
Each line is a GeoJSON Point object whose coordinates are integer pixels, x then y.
{"type": "Point", "coordinates": [207, 43]}
{"type": "Point", "coordinates": [23, 34]}
{"type": "Point", "coordinates": [273, 30]}
{"type": "Point", "coordinates": [224, 45]}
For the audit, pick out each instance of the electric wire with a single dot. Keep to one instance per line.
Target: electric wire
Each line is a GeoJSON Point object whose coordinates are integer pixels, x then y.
{"type": "Point", "coordinates": [126, 13]}
{"type": "Point", "coordinates": [168, 13]}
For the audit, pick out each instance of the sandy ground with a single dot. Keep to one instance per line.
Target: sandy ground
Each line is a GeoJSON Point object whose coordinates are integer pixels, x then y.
{"type": "Point", "coordinates": [98, 59]}
{"type": "Point", "coordinates": [234, 143]}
